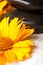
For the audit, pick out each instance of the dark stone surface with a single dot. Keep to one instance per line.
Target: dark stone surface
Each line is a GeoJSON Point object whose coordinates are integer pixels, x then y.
{"type": "Point", "coordinates": [33, 19]}
{"type": "Point", "coordinates": [32, 4]}
{"type": "Point", "coordinates": [35, 2]}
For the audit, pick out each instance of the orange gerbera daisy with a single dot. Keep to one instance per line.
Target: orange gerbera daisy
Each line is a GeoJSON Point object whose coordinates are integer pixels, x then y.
{"type": "Point", "coordinates": [12, 44]}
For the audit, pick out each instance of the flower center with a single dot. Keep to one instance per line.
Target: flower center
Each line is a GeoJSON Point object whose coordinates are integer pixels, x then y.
{"type": "Point", "coordinates": [5, 44]}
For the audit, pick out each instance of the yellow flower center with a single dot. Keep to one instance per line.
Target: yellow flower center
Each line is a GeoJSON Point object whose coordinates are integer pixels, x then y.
{"type": "Point", "coordinates": [5, 44]}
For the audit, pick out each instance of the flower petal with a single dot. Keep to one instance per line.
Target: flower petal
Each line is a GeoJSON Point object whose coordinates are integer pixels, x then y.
{"type": "Point", "coordinates": [19, 53]}
{"type": "Point", "coordinates": [20, 32]}
{"type": "Point", "coordinates": [0, 34]}
{"type": "Point", "coordinates": [4, 27]}
{"type": "Point", "coordinates": [24, 43]}
{"type": "Point", "coordinates": [10, 55]}
{"type": "Point", "coordinates": [14, 26]}
{"type": "Point", "coordinates": [2, 59]}
{"type": "Point", "coordinates": [25, 33]}
{"type": "Point", "coordinates": [2, 4]}
{"type": "Point", "coordinates": [22, 49]}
